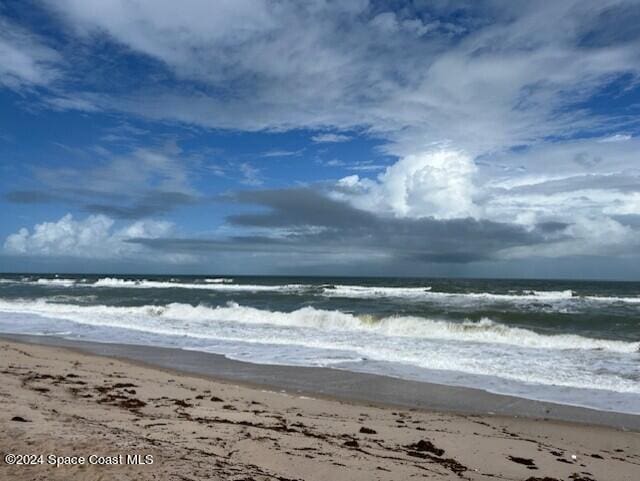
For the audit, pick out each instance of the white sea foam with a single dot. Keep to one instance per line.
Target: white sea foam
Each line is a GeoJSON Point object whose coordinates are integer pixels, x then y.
{"type": "Point", "coordinates": [607, 299]}
{"type": "Point", "coordinates": [222, 285]}
{"type": "Point", "coordinates": [366, 292]}
{"type": "Point", "coordinates": [56, 282]}
{"type": "Point", "coordinates": [566, 294]}
{"type": "Point", "coordinates": [484, 331]}
{"type": "Point", "coordinates": [426, 293]}
{"type": "Point", "coordinates": [303, 336]}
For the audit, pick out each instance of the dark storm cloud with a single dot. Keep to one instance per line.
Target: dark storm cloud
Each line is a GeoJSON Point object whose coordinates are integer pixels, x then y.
{"type": "Point", "coordinates": [129, 207]}
{"type": "Point", "coordinates": [150, 204]}
{"type": "Point", "coordinates": [552, 226]}
{"type": "Point", "coordinates": [630, 220]}
{"type": "Point", "coordinates": [297, 207]}
{"type": "Point", "coordinates": [30, 197]}
{"type": "Point", "coordinates": [307, 221]}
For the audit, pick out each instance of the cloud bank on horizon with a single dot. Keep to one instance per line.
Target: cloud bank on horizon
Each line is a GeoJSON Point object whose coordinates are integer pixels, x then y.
{"type": "Point", "coordinates": [418, 138]}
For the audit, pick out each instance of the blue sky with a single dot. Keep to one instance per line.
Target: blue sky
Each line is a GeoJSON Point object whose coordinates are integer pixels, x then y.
{"type": "Point", "coordinates": [378, 138]}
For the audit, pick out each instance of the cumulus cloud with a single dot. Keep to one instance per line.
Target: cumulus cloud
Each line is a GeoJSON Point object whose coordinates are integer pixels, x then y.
{"type": "Point", "coordinates": [94, 237]}
{"type": "Point", "coordinates": [436, 184]}
{"type": "Point", "coordinates": [584, 200]}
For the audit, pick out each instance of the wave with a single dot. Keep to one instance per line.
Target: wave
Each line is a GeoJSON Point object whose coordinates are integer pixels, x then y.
{"type": "Point", "coordinates": [180, 317]}
{"type": "Point", "coordinates": [424, 293]}
{"type": "Point", "coordinates": [367, 292]}
{"type": "Point", "coordinates": [56, 282]}
{"type": "Point", "coordinates": [566, 294]}
{"type": "Point", "coordinates": [427, 294]}
{"type": "Point", "coordinates": [219, 285]}
{"type": "Point", "coordinates": [629, 300]}
{"type": "Point", "coordinates": [44, 281]}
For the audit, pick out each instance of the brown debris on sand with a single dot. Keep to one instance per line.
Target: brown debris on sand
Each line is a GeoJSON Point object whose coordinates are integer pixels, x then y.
{"type": "Point", "coordinates": [20, 419]}
{"type": "Point", "coordinates": [424, 445]}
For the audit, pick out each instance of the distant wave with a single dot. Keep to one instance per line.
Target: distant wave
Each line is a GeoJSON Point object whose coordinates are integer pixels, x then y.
{"type": "Point", "coordinates": [367, 292]}
{"type": "Point", "coordinates": [219, 285]}
{"type": "Point", "coordinates": [56, 282]}
{"type": "Point", "coordinates": [424, 293]}
{"type": "Point", "coordinates": [44, 281]}
{"type": "Point", "coordinates": [427, 294]}
{"type": "Point", "coordinates": [179, 315]}
{"type": "Point", "coordinates": [630, 300]}
{"type": "Point", "coordinates": [213, 284]}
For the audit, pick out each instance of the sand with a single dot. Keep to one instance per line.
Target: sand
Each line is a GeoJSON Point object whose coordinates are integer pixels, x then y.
{"type": "Point", "coordinates": [57, 402]}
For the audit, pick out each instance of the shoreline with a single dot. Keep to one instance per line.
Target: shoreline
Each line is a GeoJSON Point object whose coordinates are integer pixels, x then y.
{"type": "Point", "coordinates": [340, 385]}
{"type": "Point", "coordinates": [65, 403]}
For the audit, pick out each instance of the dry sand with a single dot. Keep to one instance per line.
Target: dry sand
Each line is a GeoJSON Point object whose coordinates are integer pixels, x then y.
{"type": "Point", "coordinates": [56, 401]}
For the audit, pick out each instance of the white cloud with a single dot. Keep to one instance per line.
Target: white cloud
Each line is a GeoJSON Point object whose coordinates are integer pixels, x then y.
{"type": "Point", "coordinates": [94, 237]}
{"type": "Point", "coordinates": [71, 103]}
{"type": "Point", "coordinates": [388, 22]}
{"type": "Point", "coordinates": [436, 184]}
{"type": "Point", "coordinates": [501, 76]}
{"type": "Point", "coordinates": [330, 138]}
{"type": "Point", "coordinates": [26, 61]}
{"type": "Point", "coordinates": [282, 153]}
{"type": "Point", "coordinates": [586, 193]}
{"type": "Point", "coordinates": [250, 175]}
{"type": "Point", "coordinates": [128, 174]}
{"type": "Point", "coordinates": [586, 236]}
{"type": "Point", "coordinates": [616, 138]}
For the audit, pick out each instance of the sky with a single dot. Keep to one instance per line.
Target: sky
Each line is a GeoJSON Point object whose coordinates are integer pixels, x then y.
{"type": "Point", "coordinates": [399, 138]}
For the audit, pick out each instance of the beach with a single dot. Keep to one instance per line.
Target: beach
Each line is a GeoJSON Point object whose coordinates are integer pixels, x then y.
{"type": "Point", "coordinates": [119, 410]}
{"type": "Point", "coordinates": [319, 240]}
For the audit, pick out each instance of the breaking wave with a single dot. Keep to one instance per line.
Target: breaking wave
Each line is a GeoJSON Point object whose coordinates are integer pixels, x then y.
{"type": "Point", "coordinates": [210, 284]}
{"type": "Point", "coordinates": [178, 317]}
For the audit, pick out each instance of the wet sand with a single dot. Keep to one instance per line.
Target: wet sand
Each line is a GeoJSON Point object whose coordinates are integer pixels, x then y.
{"type": "Point", "coordinates": [344, 385]}
{"type": "Point", "coordinates": [202, 416]}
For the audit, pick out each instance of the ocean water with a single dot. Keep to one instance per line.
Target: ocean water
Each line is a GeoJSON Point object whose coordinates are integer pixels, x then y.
{"type": "Point", "coordinates": [565, 341]}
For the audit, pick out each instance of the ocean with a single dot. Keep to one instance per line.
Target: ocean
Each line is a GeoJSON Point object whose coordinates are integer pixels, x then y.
{"type": "Point", "coordinates": [571, 342]}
